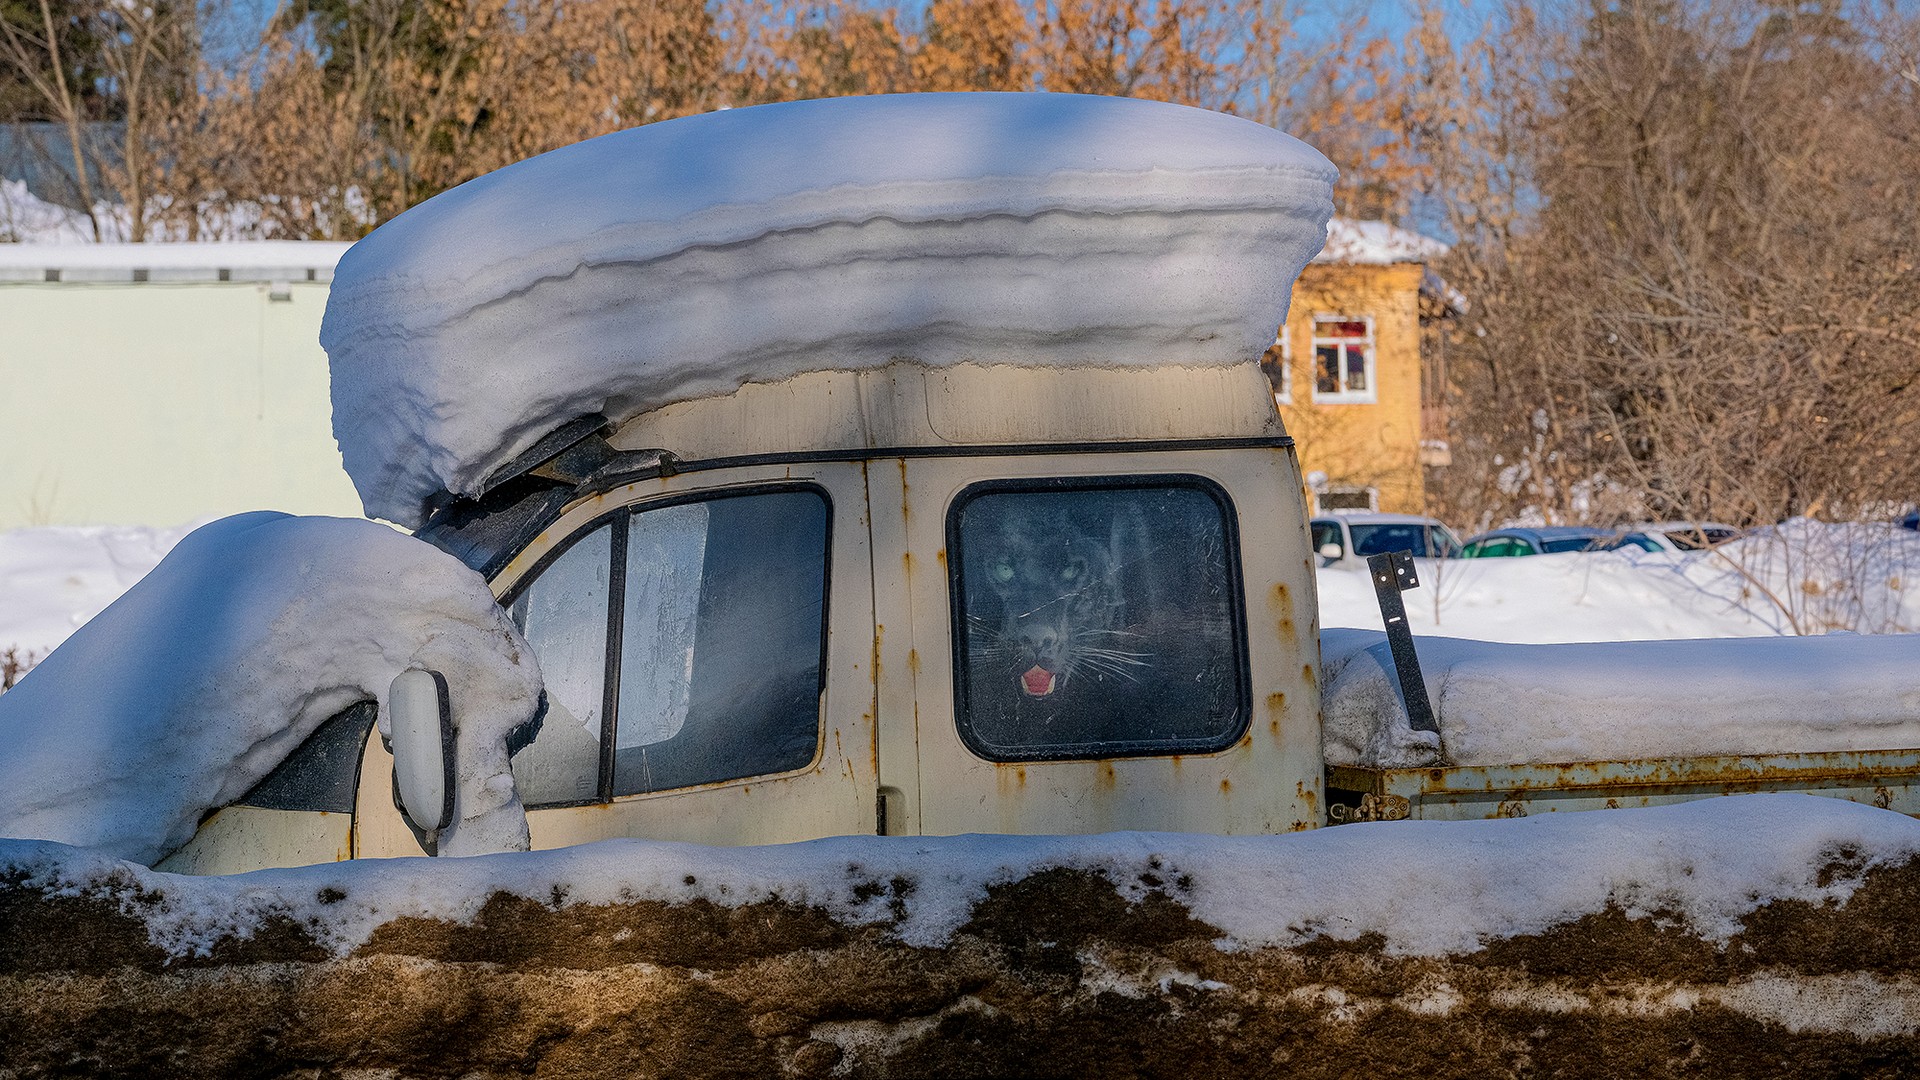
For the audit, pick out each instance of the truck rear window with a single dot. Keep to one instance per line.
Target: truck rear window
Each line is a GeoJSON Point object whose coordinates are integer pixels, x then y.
{"type": "Point", "coordinates": [1097, 618]}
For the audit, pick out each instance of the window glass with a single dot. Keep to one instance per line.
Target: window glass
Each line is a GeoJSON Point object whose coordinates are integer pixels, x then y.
{"type": "Point", "coordinates": [1324, 533]}
{"type": "Point", "coordinates": [1343, 358]}
{"type": "Point", "coordinates": [563, 614]}
{"type": "Point", "coordinates": [1573, 543]}
{"type": "Point", "coordinates": [1096, 621]}
{"type": "Point", "coordinates": [1379, 539]}
{"type": "Point", "coordinates": [723, 628]}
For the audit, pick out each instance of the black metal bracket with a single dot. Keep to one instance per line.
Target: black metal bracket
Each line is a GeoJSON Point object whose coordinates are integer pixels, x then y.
{"type": "Point", "coordinates": [1393, 574]}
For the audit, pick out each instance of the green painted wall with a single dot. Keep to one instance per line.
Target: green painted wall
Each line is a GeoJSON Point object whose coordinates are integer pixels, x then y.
{"type": "Point", "coordinates": [156, 403]}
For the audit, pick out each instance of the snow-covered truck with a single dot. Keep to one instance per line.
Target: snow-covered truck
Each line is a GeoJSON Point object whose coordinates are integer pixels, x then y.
{"type": "Point", "coordinates": [896, 465]}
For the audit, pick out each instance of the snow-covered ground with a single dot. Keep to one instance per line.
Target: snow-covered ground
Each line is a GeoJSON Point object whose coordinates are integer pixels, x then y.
{"type": "Point", "coordinates": [1455, 886]}
{"type": "Point", "coordinates": [53, 579]}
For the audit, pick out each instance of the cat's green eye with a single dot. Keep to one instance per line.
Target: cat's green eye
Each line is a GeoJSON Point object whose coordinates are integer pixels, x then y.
{"type": "Point", "coordinates": [1002, 571]}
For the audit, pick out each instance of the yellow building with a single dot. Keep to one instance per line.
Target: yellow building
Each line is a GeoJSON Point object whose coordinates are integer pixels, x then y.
{"type": "Point", "coordinates": [1357, 390]}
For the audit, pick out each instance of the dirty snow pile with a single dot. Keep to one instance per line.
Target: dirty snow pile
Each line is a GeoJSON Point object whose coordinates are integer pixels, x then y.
{"type": "Point", "coordinates": [199, 680]}
{"type": "Point", "coordinates": [684, 258]}
{"type": "Point", "coordinates": [1426, 887]}
{"type": "Point", "coordinates": [1609, 701]}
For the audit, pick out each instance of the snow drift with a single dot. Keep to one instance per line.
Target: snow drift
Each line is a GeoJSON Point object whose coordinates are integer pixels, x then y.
{"type": "Point", "coordinates": [192, 686]}
{"type": "Point", "coordinates": [684, 258]}
{"type": "Point", "coordinates": [1502, 704]}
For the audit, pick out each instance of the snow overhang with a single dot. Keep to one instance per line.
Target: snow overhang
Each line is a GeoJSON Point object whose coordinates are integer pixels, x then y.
{"type": "Point", "coordinates": [684, 259]}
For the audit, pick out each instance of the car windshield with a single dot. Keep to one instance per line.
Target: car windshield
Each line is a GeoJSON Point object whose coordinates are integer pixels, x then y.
{"type": "Point", "coordinates": [1599, 543]}
{"type": "Point", "coordinates": [1425, 541]}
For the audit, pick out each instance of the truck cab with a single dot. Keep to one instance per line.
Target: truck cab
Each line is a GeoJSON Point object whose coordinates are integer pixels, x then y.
{"type": "Point", "coordinates": [901, 601]}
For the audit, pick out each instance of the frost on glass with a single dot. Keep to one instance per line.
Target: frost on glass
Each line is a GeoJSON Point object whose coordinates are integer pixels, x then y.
{"type": "Point", "coordinates": [1096, 622]}
{"type": "Point", "coordinates": [563, 615]}
{"type": "Point", "coordinates": [723, 624]}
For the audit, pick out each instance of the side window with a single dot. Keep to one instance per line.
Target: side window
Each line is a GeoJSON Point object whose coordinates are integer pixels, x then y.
{"type": "Point", "coordinates": [564, 617]}
{"type": "Point", "coordinates": [1097, 618]}
{"type": "Point", "coordinates": [723, 635]}
{"type": "Point", "coordinates": [1324, 533]}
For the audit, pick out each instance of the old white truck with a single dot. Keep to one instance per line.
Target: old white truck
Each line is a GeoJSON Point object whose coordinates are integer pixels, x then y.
{"type": "Point", "coordinates": [990, 527]}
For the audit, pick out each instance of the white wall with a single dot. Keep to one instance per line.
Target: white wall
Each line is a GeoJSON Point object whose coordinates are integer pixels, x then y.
{"type": "Point", "coordinates": [158, 402]}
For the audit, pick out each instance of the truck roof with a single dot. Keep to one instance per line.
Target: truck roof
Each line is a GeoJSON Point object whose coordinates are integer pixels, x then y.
{"type": "Point", "coordinates": [682, 260]}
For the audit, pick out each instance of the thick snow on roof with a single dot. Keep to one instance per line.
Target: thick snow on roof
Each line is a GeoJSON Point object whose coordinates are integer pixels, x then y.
{"type": "Point", "coordinates": [1376, 243]}
{"type": "Point", "coordinates": [1425, 887]}
{"type": "Point", "coordinates": [1504, 704]}
{"type": "Point", "coordinates": [192, 686]}
{"type": "Point", "coordinates": [684, 258]}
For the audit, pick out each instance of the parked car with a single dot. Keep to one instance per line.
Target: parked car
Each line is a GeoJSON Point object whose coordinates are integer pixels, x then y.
{"type": "Point", "coordinates": [1344, 536]}
{"type": "Point", "coordinates": [1554, 539]}
{"type": "Point", "coordinates": [1688, 535]}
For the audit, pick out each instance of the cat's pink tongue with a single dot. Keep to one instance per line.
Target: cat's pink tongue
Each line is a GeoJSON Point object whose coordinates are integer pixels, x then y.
{"type": "Point", "coordinates": [1037, 681]}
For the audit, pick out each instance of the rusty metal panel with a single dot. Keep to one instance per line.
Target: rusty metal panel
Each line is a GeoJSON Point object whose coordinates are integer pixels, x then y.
{"type": "Point", "coordinates": [242, 838]}
{"type": "Point", "coordinates": [1889, 779]}
{"type": "Point", "coordinates": [910, 405]}
{"type": "Point", "coordinates": [1269, 781]}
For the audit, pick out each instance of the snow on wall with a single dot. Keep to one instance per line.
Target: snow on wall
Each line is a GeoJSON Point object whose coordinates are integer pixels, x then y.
{"type": "Point", "coordinates": [684, 258]}
{"type": "Point", "coordinates": [192, 686]}
{"type": "Point", "coordinates": [1426, 887]}
{"type": "Point", "coordinates": [1503, 704]}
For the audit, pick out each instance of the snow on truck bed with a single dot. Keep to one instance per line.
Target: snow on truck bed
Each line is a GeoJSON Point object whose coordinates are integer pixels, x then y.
{"type": "Point", "coordinates": [1504, 704]}
{"type": "Point", "coordinates": [684, 258]}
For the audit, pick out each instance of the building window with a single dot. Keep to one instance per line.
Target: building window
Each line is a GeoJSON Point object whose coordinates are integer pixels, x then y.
{"type": "Point", "coordinates": [1343, 368]}
{"type": "Point", "coordinates": [1278, 364]}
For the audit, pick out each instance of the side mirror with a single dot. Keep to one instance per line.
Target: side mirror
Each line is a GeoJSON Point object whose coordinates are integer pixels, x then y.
{"type": "Point", "coordinates": [422, 748]}
{"type": "Point", "coordinates": [1331, 551]}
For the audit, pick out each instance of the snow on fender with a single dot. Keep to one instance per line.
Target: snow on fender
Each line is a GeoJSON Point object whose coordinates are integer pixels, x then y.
{"type": "Point", "coordinates": [204, 676]}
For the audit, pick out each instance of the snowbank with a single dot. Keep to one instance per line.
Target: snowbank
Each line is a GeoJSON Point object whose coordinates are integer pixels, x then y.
{"type": "Point", "coordinates": [200, 679]}
{"type": "Point", "coordinates": [29, 220]}
{"type": "Point", "coordinates": [1502, 704]}
{"type": "Point", "coordinates": [55, 578]}
{"type": "Point", "coordinates": [1435, 887]}
{"type": "Point", "coordinates": [1798, 577]}
{"type": "Point", "coordinates": [685, 258]}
